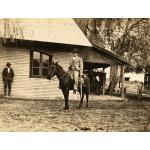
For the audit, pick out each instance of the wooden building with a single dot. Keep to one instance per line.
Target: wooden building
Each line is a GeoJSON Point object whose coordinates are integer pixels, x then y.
{"type": "Point", "coordinates": [31, 45]}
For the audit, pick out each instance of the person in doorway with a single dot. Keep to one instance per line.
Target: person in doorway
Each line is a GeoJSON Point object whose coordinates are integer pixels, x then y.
{"type": "Point", "coordinates": [76, 67]}
{"type": "Point", "coordinates": [97, 85]}
{"type": "Point", "coordinates": [8, 76]}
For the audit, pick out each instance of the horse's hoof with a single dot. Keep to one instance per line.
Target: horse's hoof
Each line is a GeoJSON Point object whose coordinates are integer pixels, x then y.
{"type": "Point", "coordinates": [80, 106]}
{"type": "Point", "coordinates": [66, 108]}
{"type": "Point", "coordinates": [87, 105]}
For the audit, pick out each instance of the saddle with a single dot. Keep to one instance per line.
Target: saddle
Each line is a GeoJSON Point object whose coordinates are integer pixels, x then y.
{"type": "Point", "coordinates": [81, 80]}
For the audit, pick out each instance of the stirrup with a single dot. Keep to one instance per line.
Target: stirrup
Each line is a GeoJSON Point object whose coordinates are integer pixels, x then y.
{"type": "Point", "coordinates": [75, 90]}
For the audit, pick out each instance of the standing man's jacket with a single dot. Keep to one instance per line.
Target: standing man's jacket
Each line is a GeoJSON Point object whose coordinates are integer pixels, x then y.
{"type": "Point", "coordinates": [76, 64]}
{"type": "Point", "coordinates": [8, 76]}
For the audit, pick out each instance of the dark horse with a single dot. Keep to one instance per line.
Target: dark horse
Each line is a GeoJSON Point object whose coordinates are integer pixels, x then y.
{"type": "Point", "coordinates": [66, 83]}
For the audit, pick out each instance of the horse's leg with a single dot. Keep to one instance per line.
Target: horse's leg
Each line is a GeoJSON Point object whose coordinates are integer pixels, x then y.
{"type": "Point", "coordinates": [66, 95]}
{"type": "Point", "coordinates": [81, 100]}
{"type": "Point", "coordinates": [87, 98]}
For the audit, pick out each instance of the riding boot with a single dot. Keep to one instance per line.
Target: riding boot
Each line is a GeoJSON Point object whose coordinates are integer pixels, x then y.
{"type": "Point", "coordinates": [75, 89]}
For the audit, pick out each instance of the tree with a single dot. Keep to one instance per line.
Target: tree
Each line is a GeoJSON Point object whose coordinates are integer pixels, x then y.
{"type": "Point", "coordinates": [129, 38]}
{"type": "Point", "coordinates": [12, 29]}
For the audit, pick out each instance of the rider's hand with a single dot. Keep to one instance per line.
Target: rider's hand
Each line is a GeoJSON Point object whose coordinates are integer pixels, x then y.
{"type": "Point", "coordinates": [80, 76]}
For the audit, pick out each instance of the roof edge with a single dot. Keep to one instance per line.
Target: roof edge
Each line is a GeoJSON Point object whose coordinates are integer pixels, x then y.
{"type": "Point", "coordinates": [115, 56]}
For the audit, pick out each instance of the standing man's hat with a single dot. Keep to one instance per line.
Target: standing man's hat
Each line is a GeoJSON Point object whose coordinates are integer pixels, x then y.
{"type": "Point", "coordinates": [8, 64]}
{"type": "Point", "coordinates": [75, 50]}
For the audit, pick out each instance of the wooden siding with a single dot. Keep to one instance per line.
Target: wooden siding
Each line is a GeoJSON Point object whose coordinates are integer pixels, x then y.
{"type": "Point", "coordinates": [25, 87]}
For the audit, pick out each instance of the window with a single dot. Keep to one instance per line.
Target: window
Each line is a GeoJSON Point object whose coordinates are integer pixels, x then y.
{"type": "Point", "coordinates": [39, 64]}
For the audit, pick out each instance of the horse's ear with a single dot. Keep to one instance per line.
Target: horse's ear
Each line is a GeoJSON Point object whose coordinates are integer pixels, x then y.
{"type": "Point", "coordinates": [56, 63]}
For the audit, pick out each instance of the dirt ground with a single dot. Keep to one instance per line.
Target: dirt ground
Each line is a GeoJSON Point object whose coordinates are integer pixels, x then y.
{"type": "Point", "coordinates": [25, 115]}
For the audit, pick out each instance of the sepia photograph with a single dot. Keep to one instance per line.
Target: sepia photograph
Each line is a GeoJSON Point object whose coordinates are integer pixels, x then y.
{"type": "Point", "coordinates": [75, 74]}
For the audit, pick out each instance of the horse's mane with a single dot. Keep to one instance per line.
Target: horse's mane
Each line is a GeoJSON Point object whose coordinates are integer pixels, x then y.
{"type": "Point", "coordinates": [59, 66]}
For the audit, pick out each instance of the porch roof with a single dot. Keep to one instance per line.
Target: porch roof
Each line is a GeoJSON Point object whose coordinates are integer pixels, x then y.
{"type": "Point", "coordinates": [110, 55]}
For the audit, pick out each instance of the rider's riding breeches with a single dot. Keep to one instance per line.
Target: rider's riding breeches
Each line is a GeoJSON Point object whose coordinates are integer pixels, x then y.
{"type": "Point", "coordinates": [76, 78]}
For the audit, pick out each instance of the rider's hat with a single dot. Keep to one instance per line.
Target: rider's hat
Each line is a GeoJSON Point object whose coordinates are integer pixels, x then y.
{"type": "Point", "coordinates": [75, 50]}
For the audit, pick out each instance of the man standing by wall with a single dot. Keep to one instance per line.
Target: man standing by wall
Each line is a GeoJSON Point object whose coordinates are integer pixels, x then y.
{"type": "Point", "coordinates": [8, 76]}
{"type": "Point", "coordinates": [76, 66]}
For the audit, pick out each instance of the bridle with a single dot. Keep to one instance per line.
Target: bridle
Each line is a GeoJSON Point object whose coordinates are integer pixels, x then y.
{"type": "Point", "coordinates": [54, 73]}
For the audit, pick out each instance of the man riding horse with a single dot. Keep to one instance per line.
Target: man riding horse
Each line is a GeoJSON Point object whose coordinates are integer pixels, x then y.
{"type": "Point", "coordinates": [76, 69]}
{"type": "Point", "coordinates": [66, 79]}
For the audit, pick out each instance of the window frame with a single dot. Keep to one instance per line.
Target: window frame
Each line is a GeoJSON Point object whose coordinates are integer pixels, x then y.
{"type": "Point", "coordinates": [40, 65]}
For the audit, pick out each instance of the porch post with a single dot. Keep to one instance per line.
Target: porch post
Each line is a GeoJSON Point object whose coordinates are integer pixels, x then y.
{"type": "Point", "coordinates": [122, 81]}
{"type": "Point", "coordinates": [103, 86]}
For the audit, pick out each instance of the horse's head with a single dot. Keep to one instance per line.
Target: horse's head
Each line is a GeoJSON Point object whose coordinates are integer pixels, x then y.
{"type": "Point", "coordinates": [53, 70]}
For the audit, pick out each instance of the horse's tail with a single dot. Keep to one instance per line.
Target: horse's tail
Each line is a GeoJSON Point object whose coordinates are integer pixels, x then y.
{"type": "Point", "coordinates": [87, 82]}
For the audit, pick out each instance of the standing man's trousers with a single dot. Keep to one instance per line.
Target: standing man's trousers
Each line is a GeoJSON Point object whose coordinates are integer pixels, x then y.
{"type": "Point", "coordinates": [7, 85]}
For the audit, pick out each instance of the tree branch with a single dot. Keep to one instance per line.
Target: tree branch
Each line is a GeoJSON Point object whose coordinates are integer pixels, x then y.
{"type": "Point", "coordinates": [135, 24]}
{"type": "Point", "coordinates": [122, 38]}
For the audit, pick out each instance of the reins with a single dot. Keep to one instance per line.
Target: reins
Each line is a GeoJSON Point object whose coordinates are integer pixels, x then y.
{"type": "Point", "coordinates": [63, 76]}
{"type": "Point", "coordinates": [57, 77]}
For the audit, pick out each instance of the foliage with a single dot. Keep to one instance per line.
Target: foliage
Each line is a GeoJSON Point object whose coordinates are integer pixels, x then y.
{"type": "Point", "coordinates": [12, 29]}
{"type": "Point", "coordinates": [127, 37]}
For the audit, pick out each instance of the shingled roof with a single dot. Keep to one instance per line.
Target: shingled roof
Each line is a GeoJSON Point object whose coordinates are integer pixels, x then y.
{"type": "Point", "coordinates": [64, 31]}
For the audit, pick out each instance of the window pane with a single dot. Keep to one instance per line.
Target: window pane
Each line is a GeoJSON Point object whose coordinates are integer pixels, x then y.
{"type": "Point", "coordinates": [44, 71]}
{"type": "Point", "coordinates": [36, 55]}
{"type": "Point", "coordinates": [36, 63]}
{"type": "Point", "coordinates": [45, 61]}
{"type": "Point", "coordinates": [40, 64]}
{"type": "Point", "coordinates": [35, 71]}
{"type": "Point", "coordinates": [36, 59]}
